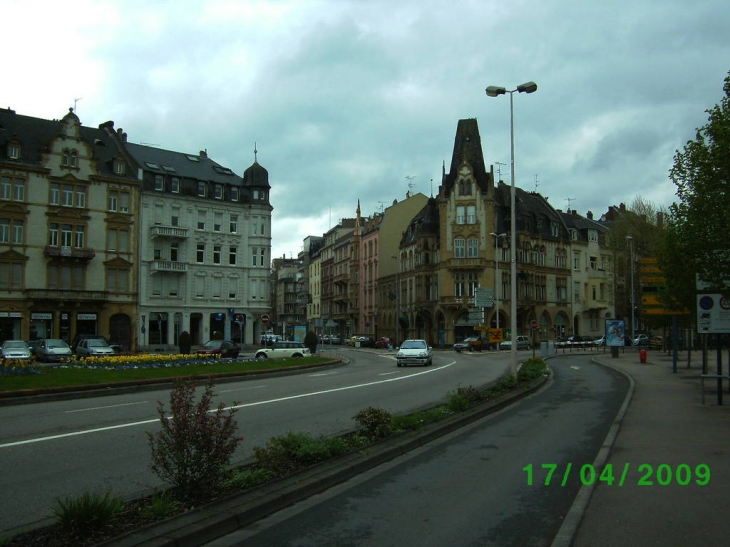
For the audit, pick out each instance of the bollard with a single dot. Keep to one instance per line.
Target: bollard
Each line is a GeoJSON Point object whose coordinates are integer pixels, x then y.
{"type": "Point", "coordinates": [642, 356]}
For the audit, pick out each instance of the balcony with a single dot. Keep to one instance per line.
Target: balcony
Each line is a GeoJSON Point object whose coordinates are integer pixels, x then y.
{"type": "Point", "coordinates": [157, 266]}
{"type": "Point", "coordinates": [466, 263]}
{"type": "Point", "coordinates": [64, 252]}
{"type": "Point", "coordinates": [457, 301]}
{"type": "Point", "coordinates": [67, 294]}
{"type": "Point", "coordinates": [172, 232]}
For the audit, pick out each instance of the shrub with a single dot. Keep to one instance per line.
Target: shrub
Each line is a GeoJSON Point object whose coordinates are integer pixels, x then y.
{"type": "Point", "coordinates": [374, 422]}
{"type": "Point", "coordinates": [185, 342]}
{"type": "Point", "coordinates": [288, 453]}
{"type": "Point", "coordinates": [531, 369]}
{"type": "Point", "coordinates": [161, 505]}
{"type": "Point", "coordinates": [89, 511]}
{"type": "Point", "coordinates": [248, 478]}
{"type": "Point", "coordinates": [195, 444]}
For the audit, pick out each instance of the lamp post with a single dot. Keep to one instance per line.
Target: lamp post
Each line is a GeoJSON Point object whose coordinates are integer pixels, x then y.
{"type": "Point", "coordinates": [495, 91]}
{"type": "Point", "coordinates": [497, 279]}
{"type": "Point", "coordinates": [630, 241]}
{"type": "Point", "coordinates": [397, 290]}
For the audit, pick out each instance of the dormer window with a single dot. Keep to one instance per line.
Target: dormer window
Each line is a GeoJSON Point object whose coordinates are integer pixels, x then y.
{"type": "Point", "coordinates": [70, 159]}
{"type": "Point", "coordinates": [14, 151]}
{"type": "Point", "coordinates": [218, 191]}
{"type": "Point", "coordinates": [119, 167]}
{"type": "Point", "coordinates": [159, 183]}
{"type": "Point", "coordinates": [201, 189]}
{"type": "Point", "coordinates": [234, 193]}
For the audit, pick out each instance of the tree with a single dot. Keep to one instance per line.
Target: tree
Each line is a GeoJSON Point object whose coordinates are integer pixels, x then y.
{"type": "Point", "coordinates": [701, 173]}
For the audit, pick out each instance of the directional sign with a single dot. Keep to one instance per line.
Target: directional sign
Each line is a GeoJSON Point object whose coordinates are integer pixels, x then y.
{"type": "Point", "coordinates": [484, 297]}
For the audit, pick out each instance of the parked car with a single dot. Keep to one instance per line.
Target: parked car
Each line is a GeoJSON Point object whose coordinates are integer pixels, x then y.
{"type": "Point", "coordinates": [15, 349]}
{"type": "Point", "coordinates": [414, 352]}
{"type": "Point", "coordinates": [384, 343]}
{"type": "Point", "coordinates": [79, 337]}
{"type": "Point", "coordinates": [52, 350]}
{"type": "Point", "coordinates": [522, 342]}
{"type": "Point", "coordinates": [575, 341]}
{"type": "Point", "coordinates": [269, 339]}
{"type": "Point", "coordinates": [365, 342]}
{"type": "Point", "coordinates": [656, 342]}
{"type": "Point", "coordinates": [94, 347]}
{"type": "Point", "coordinates": [465, 344]}
{"type": "Point", "coordinates": [641, 340]}
{"type": "Point", "coordinates": [479, 344]}
{"type": "Point", "coordinates": [284, 349]}
{"type": "Point", "coordinates": [222, 348]}
{"type": "Point", "coordinates": [330, 339]}
{"type": "Point", "coordinates": [600, 341]}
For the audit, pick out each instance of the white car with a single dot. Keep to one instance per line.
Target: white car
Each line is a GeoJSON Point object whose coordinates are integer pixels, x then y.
{"type": "Point", "coordinates": [283, 349]}
{"type": "Point", "coordinates": [15, 349]}
{"type": "Point", "coordinates": [523, 342]}
{"type": "Point", "coordinates": [414, 352]}
{"type": "Point", "coordinates": [94, 347]}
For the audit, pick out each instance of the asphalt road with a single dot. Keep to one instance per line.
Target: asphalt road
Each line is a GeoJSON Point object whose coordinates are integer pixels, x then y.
{"type": "Point", "coordinates": [65, 448]}
{"type": "Point", "coordinates": [469, 488]}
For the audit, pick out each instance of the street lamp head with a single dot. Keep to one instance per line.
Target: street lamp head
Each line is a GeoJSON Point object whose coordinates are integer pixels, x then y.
{"type": "Point", "coordinates": [527, 87]}
{"type": "Point", "coordinates": [498, 235]}
{"type": "Point", "coordinates": [494, 91]}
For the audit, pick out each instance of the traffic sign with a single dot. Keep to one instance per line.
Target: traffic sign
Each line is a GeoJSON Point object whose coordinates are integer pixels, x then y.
{"type": "Point", "coordinates": [265, 318]}
{"type": "Point", "coordinates": [533, 325]}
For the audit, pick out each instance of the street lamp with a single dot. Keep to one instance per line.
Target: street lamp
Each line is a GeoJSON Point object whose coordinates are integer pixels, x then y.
{"type": "Point", "coordinates": [630, 241]}
{"type": "Point", "coordinates": [397, 290]}
{"type": "Point", "coordinates": [497, 280]}
{"type": "Point", "coordinates": [495, 91]}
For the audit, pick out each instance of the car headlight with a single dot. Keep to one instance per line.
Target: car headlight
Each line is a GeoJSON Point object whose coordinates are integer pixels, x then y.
{"type": "Point", "coordinates": [400, 354]}
{"type": "Point", "coordinates": [422, 355]}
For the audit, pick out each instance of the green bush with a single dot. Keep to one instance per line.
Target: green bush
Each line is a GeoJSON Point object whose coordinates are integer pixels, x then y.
{"type": "Point", "coordinates": [288, 453]}
{"type": "Point", "coordinates": [311, 340]}
{"type": "Point", "coordinates": [195, 444]}
{"type": "Point", "coordinates": [248, 478]}
{"type": "Point", "coordinates": [374, 422]}
{"type": "Point", "coordinates": [531, 369]}
{"type": "Point", "coordinates": [161, 505]}
{"type": "Point", "coordinates": [87, 512]}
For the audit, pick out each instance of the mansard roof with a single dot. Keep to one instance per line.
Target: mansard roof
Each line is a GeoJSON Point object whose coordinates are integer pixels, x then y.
{"type": "Point", "coordinates": [424, 225]}
{"type": "Point", "coordinates": [467, 148]}
{"type": "Point", "coordinates": [531, 207]}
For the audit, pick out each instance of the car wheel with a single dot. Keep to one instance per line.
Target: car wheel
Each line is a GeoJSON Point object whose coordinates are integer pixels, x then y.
{"type": "Point", "coordinates": [297, 355]}
{"type": "Point", "coordinates": [261, 356]}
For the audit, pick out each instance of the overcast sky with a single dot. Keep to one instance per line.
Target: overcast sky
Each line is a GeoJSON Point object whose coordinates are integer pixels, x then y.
{"type": "Point", "coordinates": [351, 100]}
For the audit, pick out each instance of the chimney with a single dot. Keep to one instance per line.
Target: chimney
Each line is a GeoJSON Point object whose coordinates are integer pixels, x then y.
{"type": "Point", "coordinates": [589, 214]}
{"type": "Point", "coordinates": [204, 153]}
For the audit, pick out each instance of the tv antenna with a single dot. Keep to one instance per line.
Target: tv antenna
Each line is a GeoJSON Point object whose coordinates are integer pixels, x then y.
{"type": "Point", "coordinates": [568, 200]}
{"type": "Point", "coordinates": [76, 101]}
{"type": "Point", "coordinates": [537, 183]}
{"type": "Point", "coordinates": [499, 165]}
{"type": "Point", "coordinates": [382, 206]}
{"type": "Point", "coordinates": [411, 184]}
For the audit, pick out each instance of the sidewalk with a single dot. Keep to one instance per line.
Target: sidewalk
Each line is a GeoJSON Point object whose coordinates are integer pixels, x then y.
{"type": "Point", "coordinates": [665, 424]}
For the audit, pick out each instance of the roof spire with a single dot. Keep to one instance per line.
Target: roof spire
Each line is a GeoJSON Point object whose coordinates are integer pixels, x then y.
{"type": "Point", "coordinates": [255, 153]}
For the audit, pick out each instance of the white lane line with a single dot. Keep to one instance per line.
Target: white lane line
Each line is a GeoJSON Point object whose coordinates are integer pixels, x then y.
{"type": "Point", "coordinates": [103, 407]}
{"type": "Point", "coordinates": [280, 399]}
{"type": "Point", "coordinates": [241, 389]}
{"type": "Point", "coordinates": [322, 374]}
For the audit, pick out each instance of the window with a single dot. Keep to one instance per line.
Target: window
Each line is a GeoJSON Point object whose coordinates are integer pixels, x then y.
{"type": "Point", "coordinates": [200, 286]}
{"type": "Point", "coordinates": [258, 256]}
{"type": "Point", "coordinates": [234, 193]}
{"type": "Point", "coordinates": [459, 251]}
{"type": "Point", "coordinates": [69, 159]}
{"type": "Point", "coordinates": [217, 222]}
{"type": "Point", "coordinates": [117, 239]}
{"type": "Point", "coordinates": [79, 237]}
{"type": "Point", "coordinates": [175, 220]}
{"type": "Point", "coordinates": [159, 183]}
{"type": "Point", "coordinates": [561, 284]}
{"type": "Point", "coordinates": [554, 229]}
{"type": "Point", "coordinates": [233, 224]}
{"type": "Point", "coordinates": [217, 286]}
{"type": "Point", "coordinates": [472, 283]}
{"type": "Point", "coordinates": [200, 254]}
{"type": "Point", "coordinates": [560, 258]}
{"type": "Point", "coordinates": [574, 235]}
{"type": "Point", "coordinates": [174, 251]}
{"type": "Point", "coordinates": [173, 285]}
{"type": "Point", "coordinates": [218, 191]}
{"type": "Point", "coordinates": [119, 167]}
{"type": "Point", "coordinates": [13, 151]}
{"type": "Point", "coordinates": [66, 235]}
{"type": "Point", "coordinates": [70, 195]}
{"type": "Point", "coordinates": [464, 188]}
{"type": "Point", "coordinates": [201, 189]}
{"type": "Point", "coordinates": [55, 197]}
{"type": "Point", "coordinates": [216, 254]}
{"type": "Point", "coordinates": [460, 214]}
{"type": "Point", "coordinates": [255, 226]}
{"type": "Point", "coordinates": [119, 201]}
{"type": "Point", "coordinates": [201, 220]}
{"type": "Point", "coordinates": [576, 261]}
{"type": "Point", "coordinates": [472, 248]}
{"type": "Point", "coordinates": [232, 251]}
{"type": "Point", "coordinates": [11, 275]}
{"type": "Point", "coordinates": [157, 253]}
{"type": "Point", "coordinates": [65, 277]}
{"type": "Point", "coordinates": [12, 188]}
{"type": "Point", "coordinates": [594, 262]}
{"type": "Point", "coordinates": [471, 214]}
{"type": "Point", "coordinates": [116, 280]}
{"type": "Point", "coordinates": [53, 235]}
{"type": "Point", "coordinates": [459, 284]}
{"type": "Point", "coordinates": [592, 235]}
{"type": "Point", "coordinates": [175, 185]}
{"type": "Point", "coordinates": [11, 230]}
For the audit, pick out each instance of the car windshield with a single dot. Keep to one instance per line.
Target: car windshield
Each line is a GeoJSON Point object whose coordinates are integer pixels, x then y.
{"type": "Point", "coordinates": [96, 344]}
{"type": "Point", "coordinates": [15, 345]}
{"type": "Point", "coordinates": [413, 344]}
{"type": "Point", "coordinates": [214, 344]}
{"type": "Point", "coordinates": [56, 344]}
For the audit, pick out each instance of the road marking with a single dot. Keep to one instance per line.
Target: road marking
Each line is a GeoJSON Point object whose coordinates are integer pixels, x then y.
{"type": "Point", "coordinates": [103, 407]}
{"type": "Point", "coordinates": [322, 374]}
{"type": "Point", "coordinates": [269, 401]}
{"type": "Point", "coordinates": [242, 389]}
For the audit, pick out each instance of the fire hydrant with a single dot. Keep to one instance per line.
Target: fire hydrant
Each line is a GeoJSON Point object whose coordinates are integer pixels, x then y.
{"type": "Point", "coordinates": [642, 356]}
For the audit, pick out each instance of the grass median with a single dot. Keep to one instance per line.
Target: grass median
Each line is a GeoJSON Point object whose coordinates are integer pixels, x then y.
{"type": "Point", "coordinates": [116, 369]}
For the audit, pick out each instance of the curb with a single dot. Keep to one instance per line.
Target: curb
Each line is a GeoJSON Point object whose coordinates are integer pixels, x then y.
{"type": "Point", "coordinates": [226, 516]}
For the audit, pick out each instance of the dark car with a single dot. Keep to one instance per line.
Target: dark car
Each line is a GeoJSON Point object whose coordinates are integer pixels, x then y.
{"type": "Point", "coordinates": [384, 343]}
{"type": "Point", "coordinates": [366, 342]}
{"type": "Point", "coordinates": [223, 348]}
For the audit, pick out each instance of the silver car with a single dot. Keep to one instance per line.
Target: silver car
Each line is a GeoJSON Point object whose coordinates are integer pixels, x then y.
{"type": "Point", "coordinates": [15, 349]}
{"type": "Point", "coordinates": [93, 347]}
{"type": "Point", "coordinates": [522, 342]}
{"type": "Point", "coordinates": [52, 350]}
